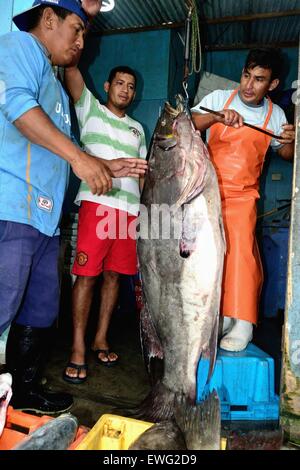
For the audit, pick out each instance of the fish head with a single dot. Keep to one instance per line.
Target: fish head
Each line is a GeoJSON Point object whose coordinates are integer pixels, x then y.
{"type": "Point", "coordinates": [164, 163]}
{"type": "Point", "coordinates": [179, 158]}
{"type": "Point", "coordinates": [56, 434]}
{"type": "Point", "coordinates": [165, 137]}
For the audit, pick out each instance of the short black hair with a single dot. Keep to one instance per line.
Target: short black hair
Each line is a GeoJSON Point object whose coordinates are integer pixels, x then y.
{"type": "Point", "coordinates": [37, 14]}
{"type": "Point", "coordinates": [122, 69]}
{"type": "Point", "coordinates": [266, 58]}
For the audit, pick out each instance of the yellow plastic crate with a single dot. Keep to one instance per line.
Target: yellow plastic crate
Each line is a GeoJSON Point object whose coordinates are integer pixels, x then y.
{"type": "Point", "coordinates": [114, 432]}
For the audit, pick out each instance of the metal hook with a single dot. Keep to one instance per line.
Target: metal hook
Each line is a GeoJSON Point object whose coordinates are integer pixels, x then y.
{"type": "Point", "coordinates": [186, 98]}
{"type": "Point", "coordinates": [185, 87]}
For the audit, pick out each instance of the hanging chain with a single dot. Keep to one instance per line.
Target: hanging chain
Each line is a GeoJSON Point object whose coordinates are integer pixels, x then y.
{"type": "Point", "coordinates": [192, 45]}
{"type": "Point", "coordinates": [196, 40]}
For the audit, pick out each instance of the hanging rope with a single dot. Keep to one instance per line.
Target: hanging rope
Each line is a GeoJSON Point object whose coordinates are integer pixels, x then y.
{"type": "Point", "coordinates": [196, 40]}
{"type": "Point", "coordinates": [192, 44]}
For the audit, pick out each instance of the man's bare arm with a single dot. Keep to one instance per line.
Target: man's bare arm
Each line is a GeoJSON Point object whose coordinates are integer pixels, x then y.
{"type": "Point", "coordinates": [73, 78]}
{"type": "Point", "coordinates": [204, 121]}
{"type": "Point", "coordinates": [36, 126]}
{"type": "Point", "coordinates": [288, 139]}
{"type": "Point", "coordinates": [74, 82]}
{"type": "Point", "coordinates": [91, 7]}
{"type": "Point", "coordinates": [286, 151]}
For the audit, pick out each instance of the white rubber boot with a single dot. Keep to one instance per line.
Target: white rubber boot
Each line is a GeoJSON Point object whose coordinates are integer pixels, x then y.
{"type": "Point", "coordinates": [228, 324]}
{"type": "Point", "coordinates": [238, 337]}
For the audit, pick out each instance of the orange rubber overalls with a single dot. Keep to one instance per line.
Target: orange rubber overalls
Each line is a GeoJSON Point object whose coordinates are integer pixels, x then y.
{"type": "Point", "coordinates": [238, 157]}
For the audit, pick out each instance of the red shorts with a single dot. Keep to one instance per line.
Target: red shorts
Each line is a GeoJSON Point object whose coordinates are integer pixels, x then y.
{"type": "Point", "coordinates": [106, 241]}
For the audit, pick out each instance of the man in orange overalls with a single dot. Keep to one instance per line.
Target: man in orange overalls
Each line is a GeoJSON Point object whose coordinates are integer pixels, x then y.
{"type": "Point", "coordinates": [238, 154]}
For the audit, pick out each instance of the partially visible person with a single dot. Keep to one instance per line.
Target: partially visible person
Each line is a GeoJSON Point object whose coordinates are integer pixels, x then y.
{"type": "Point", "coordinates": [35, 154]}
{"type": "Point", "coordinates": [238, 154]}
{"type": "Point", "coordinates": [106, 229]}
{"type": "Point", "coordinates": [5, 397]}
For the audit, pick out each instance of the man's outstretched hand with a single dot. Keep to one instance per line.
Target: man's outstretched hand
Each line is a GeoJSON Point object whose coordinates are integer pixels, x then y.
{"type": "Point", "coordinates": [91, 7]}
{"type": "Point", "coordinates": [122, 167]}
{"type": "Point", "coordinates": [97, 172]}
{"type": "Point", "coordinates": [288, 134]}
{"type": "Point", "coordinates": [94, 172]}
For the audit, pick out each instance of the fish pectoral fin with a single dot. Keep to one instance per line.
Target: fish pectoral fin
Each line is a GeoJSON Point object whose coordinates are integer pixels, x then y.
{"type": "Point", "coordinates": [222, 230]}
{"type": "Point", "coordinates": [191, 226]}
{"type": "Point", "coordinates": [151, 344]}
{"type": "Point", "coordinates": [213, 347]}
{"type": "Point", "coordinates": [196, 182]}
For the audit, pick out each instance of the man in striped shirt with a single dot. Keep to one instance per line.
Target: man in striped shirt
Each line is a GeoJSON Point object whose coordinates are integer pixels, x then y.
{"type": "Point", "coordinates": [107, 223]}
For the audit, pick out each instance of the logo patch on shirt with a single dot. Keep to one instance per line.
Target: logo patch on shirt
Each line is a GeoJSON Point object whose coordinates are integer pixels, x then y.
{"type": "Point", "coordinates": [82, 258]}
{"type": "Point", "coordinates": [45, 203]}
{"type": "Point", "coordinates": [135, 131]}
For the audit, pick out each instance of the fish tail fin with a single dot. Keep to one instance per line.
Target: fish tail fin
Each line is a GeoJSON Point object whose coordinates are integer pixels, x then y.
{"type": "Point", "coordinates": [157, 406]}
{"type": "Point", "coordinates": [201, 423]}
{"type": "Point", "coordinates": [161, 436]}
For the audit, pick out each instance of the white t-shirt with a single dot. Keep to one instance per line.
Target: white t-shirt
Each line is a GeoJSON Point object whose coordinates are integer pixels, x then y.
{"type": "Point", "coordinates": [105, 135]}
{"type": "Point", "coordinates": [255, 115]}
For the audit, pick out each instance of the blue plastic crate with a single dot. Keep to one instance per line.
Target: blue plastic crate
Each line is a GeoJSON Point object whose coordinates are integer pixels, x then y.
{"type": "Point", "coordinates": [245, 385]}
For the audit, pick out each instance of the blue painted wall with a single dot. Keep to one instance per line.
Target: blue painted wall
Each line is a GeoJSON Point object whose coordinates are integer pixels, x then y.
{"type": "Point", "coordinates": [6, 16]}
{"type": "Point", "coordinates": [157, 57]}
{"type": "Point", "coordinates": [147, 53]}
{"type": "Point", "coordinates": [12, 7]}
{"type": "Point", "coordinates": [229, 64]}
{"type": "Point", "coordinates": [18, 6]}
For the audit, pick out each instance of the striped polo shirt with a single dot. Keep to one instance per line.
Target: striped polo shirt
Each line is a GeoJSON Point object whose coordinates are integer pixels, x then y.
{"type": "Point", "coordinates": [105, 135]}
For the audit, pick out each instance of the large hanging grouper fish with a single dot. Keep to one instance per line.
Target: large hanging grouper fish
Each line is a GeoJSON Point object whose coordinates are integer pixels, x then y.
{"type": "Point", "coordinates": [181, 250]}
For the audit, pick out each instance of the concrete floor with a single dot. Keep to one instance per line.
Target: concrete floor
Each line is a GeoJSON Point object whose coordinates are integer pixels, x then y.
{"type": "Point", "coordinates": [106, 389]}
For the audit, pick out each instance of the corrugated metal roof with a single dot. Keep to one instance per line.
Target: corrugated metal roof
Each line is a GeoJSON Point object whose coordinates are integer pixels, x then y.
{"type": "Point", "coordinates": [223, 22]}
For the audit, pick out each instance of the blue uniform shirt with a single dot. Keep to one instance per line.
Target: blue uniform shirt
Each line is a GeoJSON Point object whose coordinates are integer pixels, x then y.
{"type": "Point", "coordinates": [33, 180]}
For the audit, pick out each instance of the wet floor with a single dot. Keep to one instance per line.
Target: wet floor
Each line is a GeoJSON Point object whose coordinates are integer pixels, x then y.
{"type": "Point", "coordinates": [105, 389]}
{"type": "Point", "coordinates": [109, 390]}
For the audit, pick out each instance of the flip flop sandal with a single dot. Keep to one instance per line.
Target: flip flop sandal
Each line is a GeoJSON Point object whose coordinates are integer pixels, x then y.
{"type": "Point", "coordinates": [75, 380]}
{"type": "Point", "coordinates": [107, 352]}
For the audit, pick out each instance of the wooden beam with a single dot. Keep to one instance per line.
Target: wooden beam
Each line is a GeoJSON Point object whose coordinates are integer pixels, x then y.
{"type": "Point", "coordinates": [290, 374]}
{"type": "Point", "coordinates": [252, 17]}
{"type": "Point", "coordinates": [138, 29]}
{"type": "Point", "coordinates": [206, 21]}
{"type": "Point", "coordinates": [230, 47]}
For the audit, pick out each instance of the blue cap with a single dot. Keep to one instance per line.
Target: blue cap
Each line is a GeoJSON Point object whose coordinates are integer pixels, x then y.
{"type": "Point", "coordinates": [22, 20]}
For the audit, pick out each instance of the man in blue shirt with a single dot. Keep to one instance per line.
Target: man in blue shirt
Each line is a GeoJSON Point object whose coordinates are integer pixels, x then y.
{"type": "Point", "coordinates": [35, 153]}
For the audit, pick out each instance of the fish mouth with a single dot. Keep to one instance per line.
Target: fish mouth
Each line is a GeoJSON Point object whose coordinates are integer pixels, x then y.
{"type": "Point", "coordinates": [173, 112]}
{"type": "Point", "coordinates": [181, 107]}
{"type": "Point", "coordinates": [166, 135]}
{"type": "Point", "coordinates": [166, 142]}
